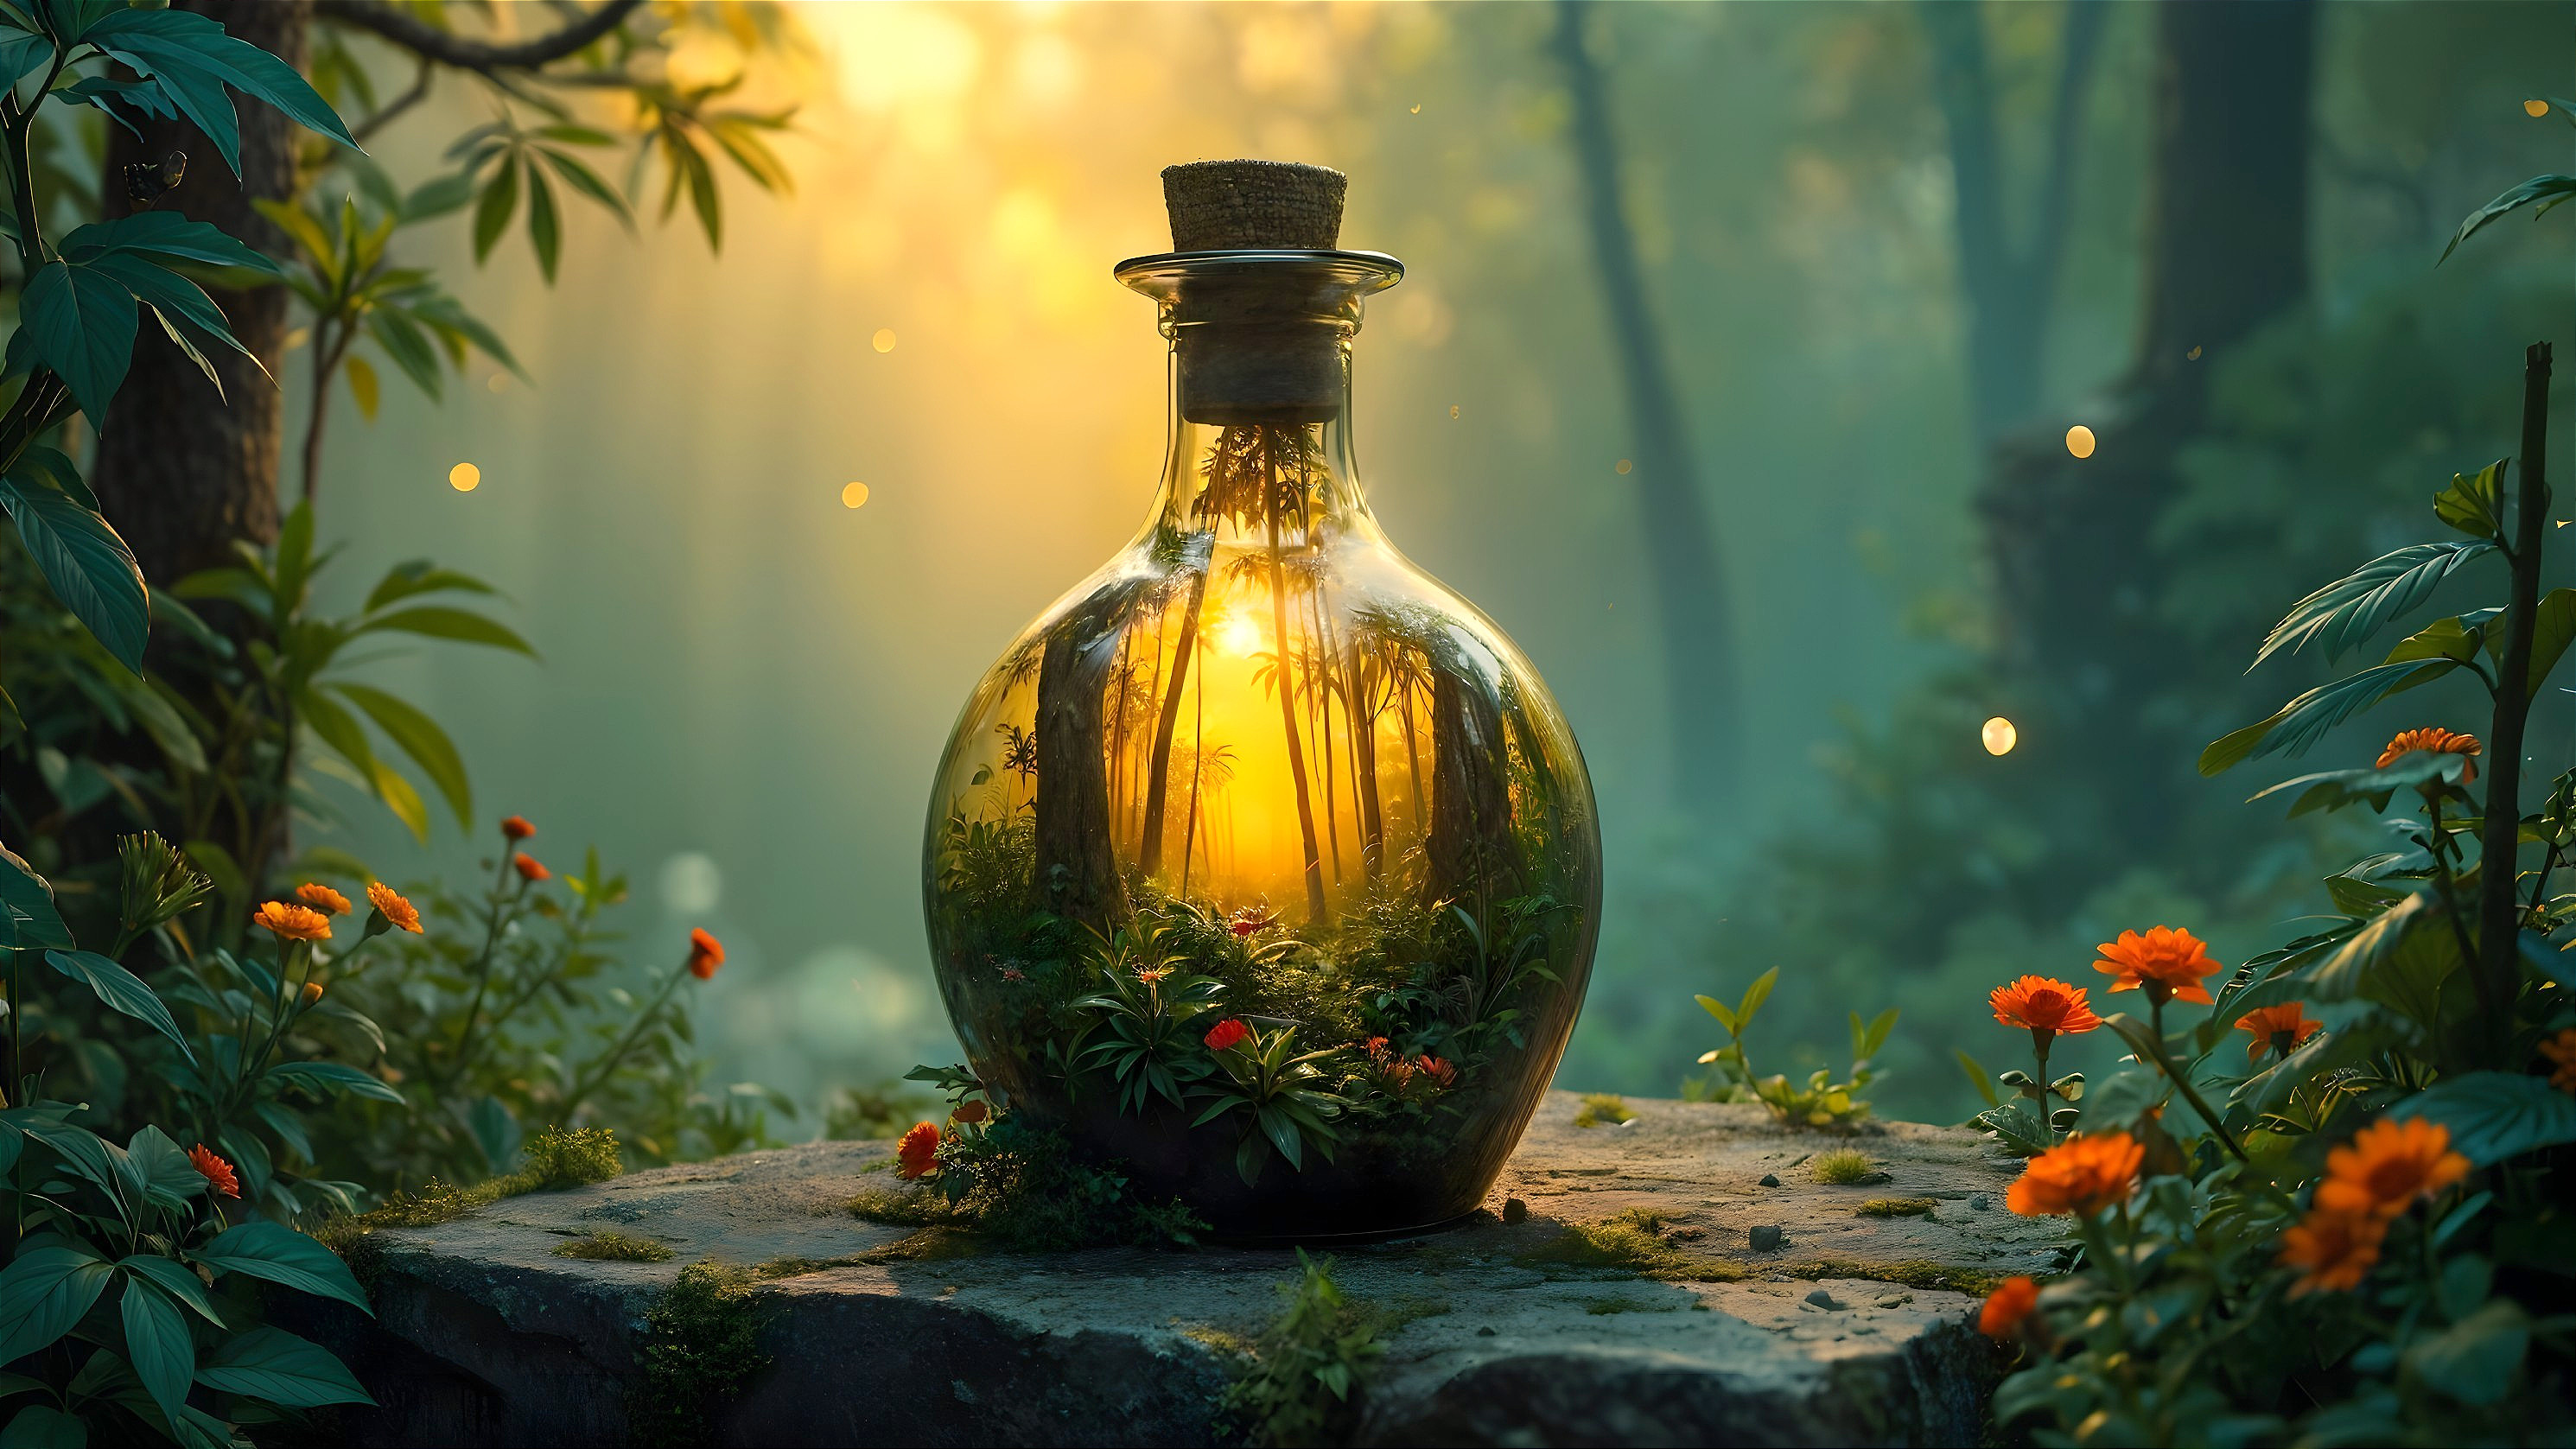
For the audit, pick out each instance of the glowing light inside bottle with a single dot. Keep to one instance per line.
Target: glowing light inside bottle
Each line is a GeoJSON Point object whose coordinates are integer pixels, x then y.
{"type": "Point", "coordinates": [1999, 736]}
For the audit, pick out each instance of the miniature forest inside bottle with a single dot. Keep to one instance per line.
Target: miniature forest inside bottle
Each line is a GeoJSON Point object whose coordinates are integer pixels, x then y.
{"type": "Point", "coordinates": [1263, 865]}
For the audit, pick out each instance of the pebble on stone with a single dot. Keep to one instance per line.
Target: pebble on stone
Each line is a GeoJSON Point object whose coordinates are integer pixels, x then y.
{"type": "Point", "coordinates": [1485, 1332]}
{"type": "Point", "coordinates": [1515, 1210]}
{"type": "Point", "coordinates": [1767, 1237]}
{"type": "Point", "coordinates": [1770, 1179]}
{"type": "Point", "coordinates": [1823, 1299]}
{"type": "Point", "coordinates": [1978, 1201]}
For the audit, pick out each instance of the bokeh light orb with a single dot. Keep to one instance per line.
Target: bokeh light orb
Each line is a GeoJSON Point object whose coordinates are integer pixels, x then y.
{"type": "Point", "coordinates": [2079, 441]}
{"type": "Point", "coordinates": [464, 477]}
{"type": "Point", "coordinates": [854, 495]}
{"type": "Point", "coordinates": [1998, 736]}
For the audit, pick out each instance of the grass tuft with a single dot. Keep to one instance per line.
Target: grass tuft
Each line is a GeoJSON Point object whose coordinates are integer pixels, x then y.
{"type": "Point", "coordinates": [615, 1248]}
{"type": "Point", "coordinates": [1601, 1107]}
{"type": "Point", "coordinates": [1914, 1273]}
{"type": "Point", "coordinates": [1841, 1167]}
{"type": "Point", "coordinates": [1633, 1242]}
{"type": "Point", "coordinates": [555, 1158]}
{"type": "Point", "coordinates": [1898, 1207]}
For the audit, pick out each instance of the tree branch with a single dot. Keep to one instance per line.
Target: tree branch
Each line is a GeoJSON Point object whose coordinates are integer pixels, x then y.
{"type": "Point", "coordinates": [427, 41]}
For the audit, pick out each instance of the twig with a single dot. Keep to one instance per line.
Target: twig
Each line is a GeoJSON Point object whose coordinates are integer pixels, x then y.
{"type": "Point", "coordinates": [430, 43]}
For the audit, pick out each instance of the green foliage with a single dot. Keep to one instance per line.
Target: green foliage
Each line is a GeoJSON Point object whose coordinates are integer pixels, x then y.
{"type": "Point", "coordinates": [1147, 1000]}
{"type": "Point", "coordinates": [1600, 1107]}
{"type": "Point", "coordinates": [1897, 1207]}
{"type": "Point", "coordinates": [1022, 1189]}
{"type": "Point", "coordinates": [1636, 1242]}
{"type": "Point", "coordinates": [701, 1342]}
{"type": "Point", "coordinates": [1821, 1102]}
{"type": "Point", "coordinates": [1283, 1099]}
{"type": "Point", "coordinates": [615, 1248]}
{"type": "Point", "coordinates": [1307, 1362]}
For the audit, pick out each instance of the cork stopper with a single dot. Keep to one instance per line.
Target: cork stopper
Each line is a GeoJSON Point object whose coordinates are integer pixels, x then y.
{"type": "Point", "coordinates": [1247, 205]}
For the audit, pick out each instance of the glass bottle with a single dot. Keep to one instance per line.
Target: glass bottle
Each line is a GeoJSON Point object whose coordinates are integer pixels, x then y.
{"type": "Point", "coordinates": [1295, 934]}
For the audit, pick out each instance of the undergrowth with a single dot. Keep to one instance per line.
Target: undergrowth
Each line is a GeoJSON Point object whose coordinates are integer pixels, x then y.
{"type": "Point", "coordinates": [1898, 1207]}
{"type": "Point", "coordinates": [1021, 1189]}
{"type": "Point", "coordinates": [1634, 1242]}
{"type": "Point", "coordinates": [1303, 1367]}
{"type": "Point", "coordinates": [701, 1341]}
{"type": "Point", "coordinates": [554, 1159]}
{"type": "Point", "coordinates": [615, 1248]}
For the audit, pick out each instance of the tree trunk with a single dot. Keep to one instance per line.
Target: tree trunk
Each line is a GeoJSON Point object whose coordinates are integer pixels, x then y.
{"type": "Point", "coordinates": [1158, 771]}
{"type": "Point", "coordinates": [1077, 865]}
{"type": "Point", "coordinates": [1469, 850]}
{"type": "Point", "coordinates": [2225, 250]}
{"type": "Point", "coordinates": [1681, 552]}
{"type": "Point", "coordinates": [2010, 291]}
{"type": "Point", "coordinates": [181, 469]}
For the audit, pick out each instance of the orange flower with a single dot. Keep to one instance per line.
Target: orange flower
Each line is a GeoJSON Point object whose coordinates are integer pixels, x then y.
{"type": "Point", "coordinates": [322, 898]}
{"type": "Point", "coordinates": [2388, 1165]}
{"type": "Point", "coordinates": [391, 906]}
{"type": "Point", "coordinates": [2336, 1248]}
{"type": "Point", "coordinates": [218, 1173]}
{"type": "Point", "coordinates": [293, 923]}
{"type": "Point", "coordinates": [2049, 1009]}
{"type": "Point", "coordinates": [517, 827]}
{"type": "Point", "coordinates": [1152, 975]}
{"type": "Point", "coordinates": [970, 1113]}
{"type": "Point", "coordinates": [2084, 1176]}
{"type": "Point", "coordinates": [2168, 963]}
{"type": "Point", "coordinates": [1227, 1033]}
{"type": "Point", "coordinates": [528, 868]}
{"type": "Point", "coordinates": [312, 992]}
{"type": "Point", "coordinates": [2006, 1308]}
{"type": "Point", "coordinates": [2561, 1051]}
{"type": "Point", "coordinates": [918, 1153]}
{"type": "Point", "coordinates": [2281, 1028]}
{"type": "Point", "coordinates": [1438, 1070]}
{"type": "Point", "coordinates": [2437, 739]}
{"type": "Point", "coordinates": [706, 953]}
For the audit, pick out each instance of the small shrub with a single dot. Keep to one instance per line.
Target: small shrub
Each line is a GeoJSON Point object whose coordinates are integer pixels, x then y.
{"type": "Point", "coordinates": [1305, 1364]}
{"type": "Point", "coordinates": [1600, 1107]}
{"type": "Point", "coordinates": [1822, 1102]}
{"type": "Point", "coordinates": [1841, 1167]}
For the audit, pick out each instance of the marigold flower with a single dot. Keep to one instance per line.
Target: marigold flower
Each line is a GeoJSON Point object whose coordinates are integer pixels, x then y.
{"type": "Point", "coordinates": [312, 992]}
{"type": "Point", "coordinates": [218, 1173]}
{"type": "Point", "coordinates": [2007, 1307]}
{"type": "Point", "coordinates": [390, 905]}
{"type": "Point", "coordinates": [292, 923]}
{"type": "Point", "coordinates": [1438, 1070]}
{"type": "Point", "coordinates": [2336, 1248]}
{"type": "Point", "coordinates": [322, 898]}
{"type": "Point", "coordinates": [2438, 740]}
{"type": "Point", "coordinates": [918, 1153]}
{"type": "Point", "coordinates": [970, 1112]}
{"type": "Point", "coordinates": [2167, 962]}
{"type": "Point", "coordinates": [1226, 1034]}
{"type": "Point", "coordinates": [2084, 1176]}
{"type": "Point", "coordinates": [2047, 1008]}
{"type": "Point", "coordinates": [2388, 1165]}
{"type": "Point", "coordinates": [2280, 1028]}
{"type": "Point", "coordinates": [2561, 1051]}
{"type": "Point", "coordinates": [706, 953]}
{"type": "Point", "coordinates": [516, 827]}
{"type": "Point", "coordinates": [529, 868]}
{"type": "Point", "coordinates": [1375, 1046]}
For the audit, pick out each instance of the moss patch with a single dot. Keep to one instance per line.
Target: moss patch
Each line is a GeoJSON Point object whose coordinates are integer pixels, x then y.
{"type": "Point", "coordinates": [615, 1248]}
{"type": "Point", "coordinates": [1632, 1242]}
{"type": "Point", "coordinates": [555, 1159]}
{"type": "Point", "coordinates": [1602, 1107]}
{"type": "Point", "coordinates": [1841, 1167]}
{"type": "Point", "coordinates": [701, 1342]}
{"type": "Point", "coordinates": [1912, 1273]}
{"type": "Point", "coordinates": [1898, 1207]}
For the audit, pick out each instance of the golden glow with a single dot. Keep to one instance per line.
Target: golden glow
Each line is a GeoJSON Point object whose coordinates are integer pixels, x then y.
{"type": "Point", "coordinates": [1239, 637]}
{"type": "Point", "coordinates": [1625, 465]}
{"type": "Point", "coordinates": [1453, 410]}
{"type": "Point", "coordinates": [1999, 736]}
{"type": "Point", "coordinates": [854, 495]}
{"type": "Point", "coordinates": [884, 340]}
{"type": "Point", "coordinates": [2535, 108]}
{"type": "Point", "coordinates": [2079, 441]}
{"type": "Point", "coordinates": [464, 477]}
{"type": "Point", "coordinates": [1417, 108]}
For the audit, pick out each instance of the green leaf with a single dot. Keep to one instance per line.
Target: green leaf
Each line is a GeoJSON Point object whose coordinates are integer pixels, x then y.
{"type": "Point", "coordinates": [420, 576]}
{"type": "Point", "coordinates": [2305, 720]}
{"type": "Point", "coordinates": [2455, 639]}
{"type": "Point", "coordinates": [545, 226]}
{"type": "Point", "coordinates": [193, 60]}
{"type": "Point", "coordinates": [420, 737]}
{"type": "Point", "coordinates": [438, 196]}
{"type": "Point", "coordinates": [2473, 502]}
{"type": "Point", "coordinates": [163, 1170]}
{"type": "Point", "coordinates": [363, 387]}
{"type": "Point", "coordinates": [80, 324]}
{"type": "Point", "coordinates": [30, 901]}
{"type": "Point", "coordinates": [157, 1344]}
{"type": "Point", "coordinates": [1979, 1077]}
{"type": "Point", "coordinates": [2475, 1359]}
{"type": "Point", "coordinates": [2356, 606]}
{"type": "Point", "coordinates": [407, 346]}
{"type": "Point", "coordinates": [2551, 629]}
{"type": "Point", "coordinates": [2334, 789]}
{"type": "Point", "coordinates": [1754, 996]}
{"type": "Point", "coordinates": [274, 1366]}
{"type": "Point", "coordinates": [2547, 190]}
{"type": "Point", "coordinates": [1875, 1038]}
{"type": "Point", "coordinates": [402, 800]}
{"type": "Point", "coordinates": [88, 566]}
{"type": "Point", "coordinates": [2494, 1116]}
{"type": "Point", "coordinates": [122, 990]}
{"type": "Point", "coordinates": [581, 178]}
{"type": "Point", "coordinates": [44, 1291]}
{"type": "Point", "coordinates": [492, 213]}
{"type": "Point", "coordinates": [176, 1279]}
{"type": "Point", "coordinates": [2016, 1127]}
{"type": "Point", "coordinates": [281, 1255]}
{"type": "Point", "coordinates": [166, 234]}
{"type": "Point", "coordinates": [441, 622]}
{"type": "Point", "coordinates": [325, 1078]}
{"type": "Point", "coordinates": [338, 729]}
{"type": "Point", "coordinates": [1724, 1013]}
{"type": "Point", "coordinates": [42, 1426]}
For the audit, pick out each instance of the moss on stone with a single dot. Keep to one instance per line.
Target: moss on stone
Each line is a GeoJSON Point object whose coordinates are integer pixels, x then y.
{"type": "Point", "coordinates": [1841, 1167]}
{"type": "Point", "coordinates": [1911, 1273]}
{"type": "Point", "coordinates": [1631, 1242]}
{"type": "Point", "coordinates": [555, 1159]}
{"type": "Point", "coordinates": [1898, 1207]}
{"type": "Point", "coordinates": [1601, 1107]}
{"type": "Point", "coordinates": [615, 1248]}
{"type": "Point", "coordinates": [701, 1342]}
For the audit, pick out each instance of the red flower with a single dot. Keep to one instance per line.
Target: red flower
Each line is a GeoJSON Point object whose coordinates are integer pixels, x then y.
{"type": "Point", "coordinates": [528, 868]}
{"type": "Point", "coordinates": [1250, 919]}
{"type": "Point", "coordinates": [517, 828]}
{"type": "Point", "coordinates": [918, 1153]}
{"type": "Point", "coordinates": [706, 953]}
{"type": "Point", "coordinates": [1438, 1070]}
{"type": "Point", "coordinates": [2007, 1307]}
{"type": "Point", "coordinates": [2277, 1028]}
{"type": "Point", "coordinates": [1375, 1047]}
{"type": "Point", "coordinates": [970, 1112]}
{"type": "Point", "coordinates": [218, 1173]}
{"type": "Point", "coordinates": [1226, 1034]}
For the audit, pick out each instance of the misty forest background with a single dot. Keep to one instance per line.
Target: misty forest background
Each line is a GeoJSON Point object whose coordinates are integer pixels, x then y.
{"type": "Point", "coordinates": [1833, 278]}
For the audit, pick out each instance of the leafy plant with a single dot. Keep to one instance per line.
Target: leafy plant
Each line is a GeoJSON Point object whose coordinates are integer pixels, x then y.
{"type": "Point", "coordinates": [1306, 1363]}
{"type": "Point", "coordinates": [1147, 1000]}
{"type": "Point", "coordinates": [1822, 1101]}
{"type": "Point", "coordinates": [1286, 1102]}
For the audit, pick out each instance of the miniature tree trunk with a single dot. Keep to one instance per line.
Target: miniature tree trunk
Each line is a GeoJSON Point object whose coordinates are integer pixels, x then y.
{"type": "Point", "coordinates": [1077, 863]}
{"type": "Point", "coordinates": [1469, 848]}
{"type": "Point", "coordinates": [1159, 771]}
